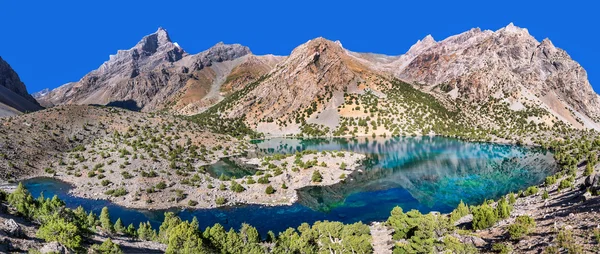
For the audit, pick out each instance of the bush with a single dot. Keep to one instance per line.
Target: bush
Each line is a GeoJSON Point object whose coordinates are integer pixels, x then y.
{"type": "Point", "coordinates": [192, 203]}
{"type": "Point", "coordinates": [317, 177]}
{"type": "Point", "coordinates": [58, 229]}
{"type": "Point", "coordinates": [532, 190]}
{"type": "Point", "coordinates": [503, 209]}
{"type": "Point", "coordinates": [521, 227]}
{"type": "Point", "coordinates": [484, 216]}
{"type": "Point", "coordinates": [236, 187]}
{"type": "Point", "coordinates": [270, 190]}
{"type": "Point", "coordinates": [263, 180]}
{"type": "Point", "coordinates": [564, 184]}
{"type": "Point", "coordinates": [511, 198]}
{"type": "Point", "coordinates": [161, 185]}
{"type": "Point", "coordinates": [220, 201]}
{"type": "Point", "coordinates": [502, 248]}
{"type": "Point", "coordinates": [460, 211]}
{"type": "Point", "coordinates": [550, 180]}
{"type": "Point", "coordinates": [107, 247]}
{"type": "Point", "coordinates": [589, 169]}
{"type": "Point", "coordinates": [116, 192]}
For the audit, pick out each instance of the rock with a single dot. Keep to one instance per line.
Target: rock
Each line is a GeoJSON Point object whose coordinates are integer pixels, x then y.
{"type": "Point", "coordinates": [54, 247]}
{"type": "Point", "coordinates": [592, 181]}
{"type": "Point", "coordinates": [587, 196]}
{"type": "Point", "coordinates": [13, 229]}
{"type": "Point", "coordinates": [464, 220]}
{"type": "Point", "coordinates": [469, 239]}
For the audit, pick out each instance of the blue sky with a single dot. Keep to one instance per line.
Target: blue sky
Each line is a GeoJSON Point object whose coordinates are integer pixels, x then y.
{"type": "Point", "coordinates": [50, 43]}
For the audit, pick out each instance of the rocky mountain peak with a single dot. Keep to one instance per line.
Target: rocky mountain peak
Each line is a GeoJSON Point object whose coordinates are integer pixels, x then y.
{"type": "Point", "coordinates": [152, 42]}
{"type": "Point", "coordinates": [511, 28]}
{"type": "Point", "coordinates": [421, 45]}
{"type": "Point", "coordinates": [218, 53]}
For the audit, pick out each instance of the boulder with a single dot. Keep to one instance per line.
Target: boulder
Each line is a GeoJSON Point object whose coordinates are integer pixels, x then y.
{"type": "Point", "coordinates": [12, 228]}
{"type": "Point", "coordinates": [54, 247]}
{"type": "Point", "coordinates": [591, 180]}
{"type": "Point", "coordinates": [469, 239]}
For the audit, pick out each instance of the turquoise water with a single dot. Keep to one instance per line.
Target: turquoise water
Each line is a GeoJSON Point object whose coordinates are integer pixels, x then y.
{"type": "Point", "coordinates": [229, 168]}
{"type": "Point", "coordinates": [427, 174]}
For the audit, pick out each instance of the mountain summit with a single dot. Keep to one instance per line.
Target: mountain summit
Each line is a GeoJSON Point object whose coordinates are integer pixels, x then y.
{"type": "Point", "coordinates": [157, 74]}
{"type": "Point", "coordinates": [477, 67]}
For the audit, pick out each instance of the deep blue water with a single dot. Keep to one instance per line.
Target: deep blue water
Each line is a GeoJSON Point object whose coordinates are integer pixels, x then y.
{"type": "Point", "coordinates": [428, 174]}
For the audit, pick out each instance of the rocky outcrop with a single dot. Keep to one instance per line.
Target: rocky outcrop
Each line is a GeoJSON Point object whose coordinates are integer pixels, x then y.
{"type": "Point", "coordinates": [508, 62]}
{"type": "Point", "coordinates": [54, 247]}
{"type": "Point", "coordinates": [156, 74]}
{"type": "Point", "coordinates": [14, 97]}
{"type": "Point", "coordinates": [12, 228]}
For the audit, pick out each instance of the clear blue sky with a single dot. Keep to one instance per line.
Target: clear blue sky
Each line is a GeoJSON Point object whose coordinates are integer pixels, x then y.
{"type": "Point", "coordinates": [50, 43]}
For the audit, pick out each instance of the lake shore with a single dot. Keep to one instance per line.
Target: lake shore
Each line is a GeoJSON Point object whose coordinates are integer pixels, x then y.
{"type": "Point", "coordinates": [177, 191]}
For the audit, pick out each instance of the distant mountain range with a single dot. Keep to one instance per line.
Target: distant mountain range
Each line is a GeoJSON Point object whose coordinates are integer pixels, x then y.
{"type": "Point", "coordinates": [472, 68]}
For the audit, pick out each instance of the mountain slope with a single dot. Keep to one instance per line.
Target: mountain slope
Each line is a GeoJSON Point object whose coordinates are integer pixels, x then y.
{"type": "Point", "coordinates": [507, 64]}
{"type": "Point", "coordinates": [312, 79]}
{"type": "Point", "coordinates": [157, 74]}
{"type": "Point", "coordinates": [14, 97]}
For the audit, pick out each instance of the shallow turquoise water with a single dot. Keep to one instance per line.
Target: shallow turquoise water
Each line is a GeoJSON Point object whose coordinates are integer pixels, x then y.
{"type": "Point", "coordinates": [428, 174]}
{"type": "Point", "coordinates": [230, 169]}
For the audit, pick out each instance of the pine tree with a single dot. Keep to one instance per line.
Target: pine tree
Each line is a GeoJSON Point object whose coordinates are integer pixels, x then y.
{"type": "Point", "coordinates": [119, 227]}
{"type": "Point", "coordinates": [145, 231]}
{"type": "Point", "coordinates": [57, 229]}
{"type": "Point", "coordinates": [22, 200]}
{"type": "Point", "coordinates": [249, 234]}
{"type": "Point", "coordinates": [131, 230]}
{"type": "Point", "coordinates": [503, 208]}
{"type": "Point", "coordinates": [105, 221]}
{"type": "Point", "coordinates": [92, 220]}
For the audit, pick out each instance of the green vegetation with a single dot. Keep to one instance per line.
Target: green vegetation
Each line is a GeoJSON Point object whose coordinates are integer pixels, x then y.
{"type": "Point", "coordinates": [484, 216]}
{"type": "Point", "coordinates": [532, 190]}
{"type": "Point", "coordinates": [116, 192]}
{"type": "Point", "coordinates": [212, 119]}
{"type": "Point", "coordinates": [317, 177]}
{"type": "Point", "coordinates": [270, 190]}
{"type": "Point", "coordinates": [521, 227]}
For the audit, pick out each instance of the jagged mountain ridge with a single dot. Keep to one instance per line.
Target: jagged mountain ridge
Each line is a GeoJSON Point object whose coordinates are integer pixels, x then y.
{"type": "Point", "coordinates": [14, 97]}
{"type": "Point", "coordinates": [509, 65]}
{"type": "Point", "coordinates": [157, 74]}
{"type": "Point", "coordinates": [477, 66]}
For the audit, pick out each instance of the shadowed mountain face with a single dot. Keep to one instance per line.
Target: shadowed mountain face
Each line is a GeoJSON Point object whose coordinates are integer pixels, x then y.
{"type": "Point", "coordinates": [14, 97]}
{"type": "Point", "coordinates": [157, 74]}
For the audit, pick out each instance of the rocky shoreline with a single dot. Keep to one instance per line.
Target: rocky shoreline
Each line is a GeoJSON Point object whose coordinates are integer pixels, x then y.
{"type": "Point", "coordinates": [206, 192]}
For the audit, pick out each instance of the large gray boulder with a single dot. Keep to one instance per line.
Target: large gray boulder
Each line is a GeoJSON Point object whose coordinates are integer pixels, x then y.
{"type": "Point", "coordinates": [12, 228]}
{"type": "Point", "coordinates": [54, 247]}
